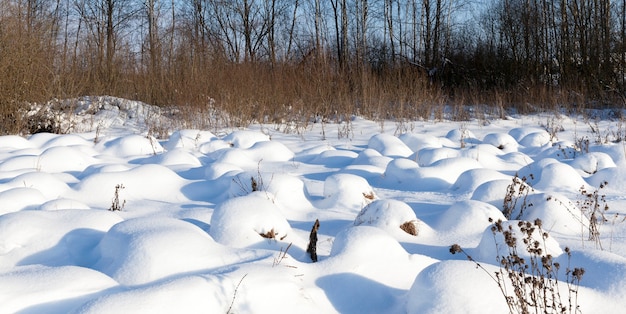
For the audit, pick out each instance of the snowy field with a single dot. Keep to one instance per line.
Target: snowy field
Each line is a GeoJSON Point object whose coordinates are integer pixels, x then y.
{"type": "Point", "coordinates": [219, 221]}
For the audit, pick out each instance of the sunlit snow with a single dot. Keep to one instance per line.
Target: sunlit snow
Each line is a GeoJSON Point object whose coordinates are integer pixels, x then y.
{"type": "Point", "coordinates": [217, 221]}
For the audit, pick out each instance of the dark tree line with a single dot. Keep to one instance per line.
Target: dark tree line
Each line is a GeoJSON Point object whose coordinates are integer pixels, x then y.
{"type": "Point", "coordinates": [557, 43]}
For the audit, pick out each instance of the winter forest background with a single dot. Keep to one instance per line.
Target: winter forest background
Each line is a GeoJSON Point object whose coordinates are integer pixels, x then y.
{"type": "Point", "coordinates": [266, 60]}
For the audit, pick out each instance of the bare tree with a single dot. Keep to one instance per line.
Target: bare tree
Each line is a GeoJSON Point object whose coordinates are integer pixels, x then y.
{"type": "Point", "coordinates": [104, 20]}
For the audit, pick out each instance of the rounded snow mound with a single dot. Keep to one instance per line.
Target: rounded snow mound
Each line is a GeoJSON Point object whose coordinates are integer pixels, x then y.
{"type": "Point", "coordinates": [141, 250]}
{"type": "Point", "coordinates": [63, 159]}
{"type": "Point", "coordinates": [520, 132]}
{"type": "Point", "coordinates": [428, 156]}
{"type": "Point", "coordinates": [389, 145]}
{"type": "Point", "coordinates": [49, 285]}
{"type": "Point", "coordinates": [190, 294]}
{"type": "Point", "coordinates": [372, 253]}
{"type": "Point", "coordinates": [557, 212]}
{"type": "Point", "coordinates": [213, 146]}
{"type": "Point", "coordinates": [53, 238]}
{"type": "Point", "coordinates": [178, 157]}
{"type": "Point", "coordinates": [145, 182]}
{"type": "Point", "coordinates": [347, 191]}
{"type": "Point", "coordinates": [250, 220]}
{"type": "Point", "coordinates": [443, 288]}
{"type": "Point", "coordinates": [371, 157]}
{"type": "Point", "coordinates": [334, 158]}
{"type": "Point", "coordinates": [493, 243]}
{"type": "Point", "coordinates": [17, 199]}
{"type": "Point", "coordinates": [461, 135]}
{"type": "Point", "coordinates": [532, 172]}
{"type": "Point", "coordinates": [440, 175]}
{"type": "Point", "coordinates": [495, 191]}
{"type": "Point", "coordinates": [562, 150]}
{"type": "Point", "coordinates": [593, 162]}
{"type": "Point", "coordinates": [560, 177]}
{"type": "Point", "coordinates": [271, 151]}
{"type": "Point", "coordinates": [469, 180]}
{"type": "Point", "coordinates": [402, 171]}
{"type": "Point", "coordinates": [361, 243]}
{"type": "Point", "coordinates": [130, 145]}
{"type": "Point", "coordinates": [284, 189]}
{"type": "Point", "coordinates": [245, 139]}
{"type": "Point", "coordinates": [13, 142]}
{"type": "Point", "coordinates": [62, 203]}
{"type": "Point", "coordinates": [450, 169]}
{"type": "Point", "coordinates": [535, 139]}
{"type": "Point", "coordinates": [395, 217]}
{"type": "Point", "coordinates": [49, 185]}
{"type": "Point", "coordinates": [20, 163]}
{"type": "Point", "coordinates": [188, 139]}
{"type": "Point", "coordinates": [217, 170]}
{"type": "Point", "coordinates": [468, 218]}
{"type": "Point", "coordinates": [502, 141]}
{"type": "Point", "coordinates": [417, 142]}
{"type": "Point", "coordinates": [251, 157]}
{"type": "Point", "coordinates": [67, 140]}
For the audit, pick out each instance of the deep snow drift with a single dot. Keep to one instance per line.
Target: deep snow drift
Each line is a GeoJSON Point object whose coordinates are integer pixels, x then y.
{"type": "Point", "coordinates": [218, 221]}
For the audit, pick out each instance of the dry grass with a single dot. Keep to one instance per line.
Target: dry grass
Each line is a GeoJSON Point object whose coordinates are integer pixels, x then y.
{"type": "Point", "coordinates": [533, 279]}
{"type": "Point", "coordinates": [369, 196]}
{"type": "Point", "coordinates": [410, 227]}
{"type": "Point", "coordinates": [43, 60]}
{"type": "Point", "coordinates": [288, 95]}
{"type": "Point", "coordinates": [269, 235]}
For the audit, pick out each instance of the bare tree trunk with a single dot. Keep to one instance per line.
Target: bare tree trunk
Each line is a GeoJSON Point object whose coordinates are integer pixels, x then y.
{"type": "Point", "coordinates": [271, 32]}
{"type": "Point", "coordinates": [292, 27]}
{"type": "Point", "coordinates": [338, 31]}
{"type": "Point", "coordinates": [389, 18]}
{"type": "Point", "coordinates": [426, 11]}
{"type": "Point", "coordinates": [344, 33]}
{"type": "Point", "coordinates": [110, 41]}
{"type": "Point", "coordinates": [247, 31]}
{"type": "Point", "coordinates": [623, 50]}
{"type": "Point", "coordinates": [565, 55]}
{"type": "Point", "coordinates": [401, 35]}
{"type": "Point", "coordinates": [361, 9]}
{"type": "Point", "coordinates": [416, 31]}
{"type": "Point", "coordinates": [151, 16]}
{"type": "Point", "coordinates": [317, 27]}
{"type": "Point", "coordinates": [437, 33]}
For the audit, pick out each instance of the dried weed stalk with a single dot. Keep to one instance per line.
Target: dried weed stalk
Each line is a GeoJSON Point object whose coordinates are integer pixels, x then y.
{"type": "Point", "coordinates": [281, 256]}
{"type": "Point", "coordinates": [235, 295]}
{"type": "Point", "coordinates": [115, 203]}
{"type": "Point", "coordinates": [534, 280]}
{"type": "Point", "coordinates": [593, 205]}
{"type": "Point", "coordinates": [516, 191]}
{"type": "Point", "coordinates": [256, 182]}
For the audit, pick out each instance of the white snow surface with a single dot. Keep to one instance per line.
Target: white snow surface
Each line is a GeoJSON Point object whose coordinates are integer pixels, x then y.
{"type": "Point", "coordinates": [219, 221]}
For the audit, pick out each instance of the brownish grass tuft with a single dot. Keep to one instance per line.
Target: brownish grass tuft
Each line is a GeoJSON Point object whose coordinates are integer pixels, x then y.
{"type": "Point", "coordinates": [369, 196]}
{"type": "Point", "coordinates": [269, 235]}
{"type": "Point", "coordinates": [410, 227]}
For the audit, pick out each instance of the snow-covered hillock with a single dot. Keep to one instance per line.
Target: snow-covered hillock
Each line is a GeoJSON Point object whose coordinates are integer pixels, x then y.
{"type": "Point", "coordinates": [129, 214]}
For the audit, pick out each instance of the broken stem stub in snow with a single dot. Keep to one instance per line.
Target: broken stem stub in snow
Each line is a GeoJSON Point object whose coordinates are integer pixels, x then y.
{"type": "Point", "coordinates": [312, 249]}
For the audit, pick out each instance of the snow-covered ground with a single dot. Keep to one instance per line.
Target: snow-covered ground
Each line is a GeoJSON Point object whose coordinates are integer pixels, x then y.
{"type": "Point", "coordinates": [188, 238]}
